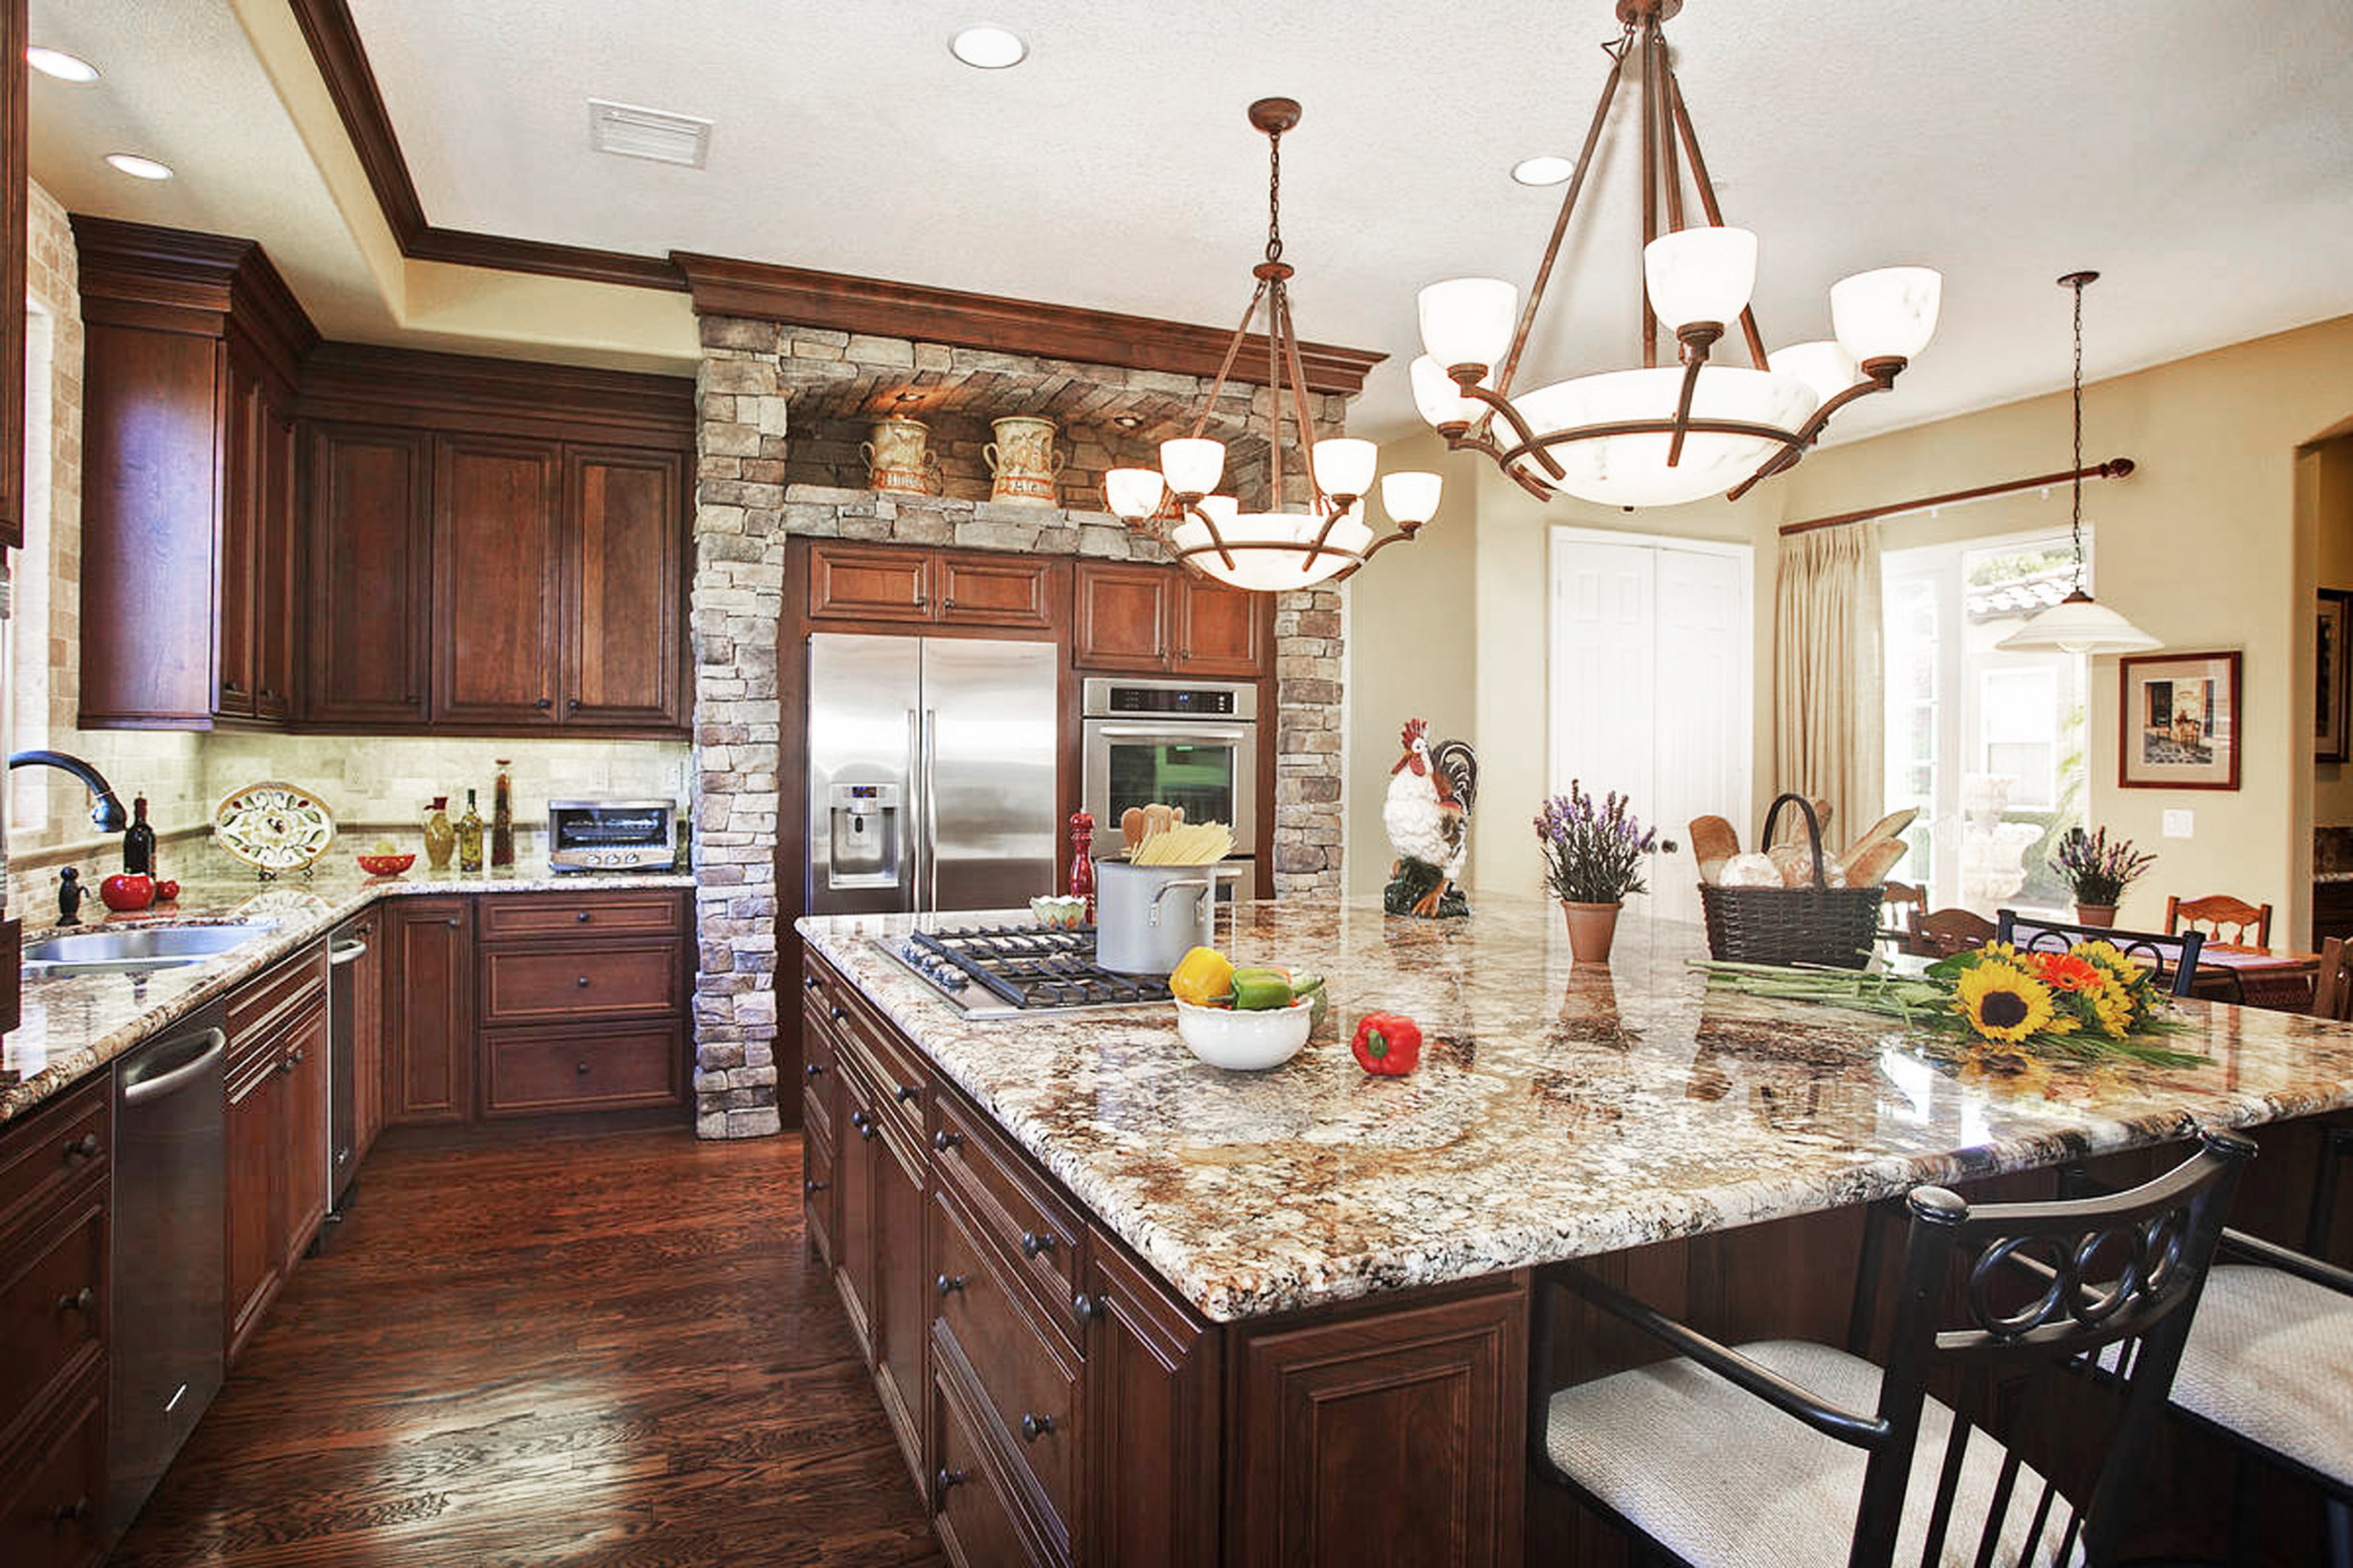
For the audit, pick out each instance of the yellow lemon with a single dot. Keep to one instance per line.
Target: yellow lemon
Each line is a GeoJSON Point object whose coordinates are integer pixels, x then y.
{"type": "Point", "coordinates": [1204, 977]}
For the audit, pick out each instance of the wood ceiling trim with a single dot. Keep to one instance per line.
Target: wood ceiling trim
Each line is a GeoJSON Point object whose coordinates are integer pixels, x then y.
{"type": "Point", "coordinates": [839, 302]}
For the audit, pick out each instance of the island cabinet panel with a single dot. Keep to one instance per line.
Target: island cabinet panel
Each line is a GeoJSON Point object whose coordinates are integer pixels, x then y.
{"type": "Point", "coordinates": [1153, 1392]}
{"type": "Point", "coordinates": [497, 581]}
{"type": "Point", "coordinates": [817, 1192]}
{"type": "Point", "coordinates": [1396, 1432]}
{"type": "Point", "coordinates": [971, 1506]}
{"type": "Point", "coordinates": [856, 1128]}
{"type": "Point", "coordinates": [902, 1289]}
{"type": "Point", "coordinates": [370, 555]}
{"type": "Point", "coordinates": [53, 1489]}
{"type": "Point", "coordinates": [429, 1010]}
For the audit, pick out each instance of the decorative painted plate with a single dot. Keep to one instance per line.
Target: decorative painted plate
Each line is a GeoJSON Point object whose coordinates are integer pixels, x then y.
{"type": "Point", "coordinates": [274, 827]}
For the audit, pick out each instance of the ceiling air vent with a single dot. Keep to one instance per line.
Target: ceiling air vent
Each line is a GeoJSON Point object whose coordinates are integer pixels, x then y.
{"type": "Point", "coordinates": [632, 132]}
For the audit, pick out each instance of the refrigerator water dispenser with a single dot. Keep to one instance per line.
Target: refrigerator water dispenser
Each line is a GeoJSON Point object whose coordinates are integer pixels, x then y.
{"type": "Point", "coordinates": [865, 832]}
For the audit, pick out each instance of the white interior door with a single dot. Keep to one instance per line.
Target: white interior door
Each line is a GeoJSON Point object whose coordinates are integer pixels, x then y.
{"type": "Point", "coordinates": [1651, 687]}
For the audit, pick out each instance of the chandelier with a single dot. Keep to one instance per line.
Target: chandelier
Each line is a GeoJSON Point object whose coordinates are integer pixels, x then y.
{"type": "Point", "coordinates": [1275, 550]}
{"type": "Point", "coordinates": [1663, 434]}
{"type": "Point", "coordinates": [2077, 624]}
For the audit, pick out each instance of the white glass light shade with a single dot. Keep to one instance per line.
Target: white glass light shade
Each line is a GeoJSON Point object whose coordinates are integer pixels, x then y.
{"type": "Point", "coordinates": [1467, 321]}
{"type": "Point", "coordinates": [1822, 365]}
{"type": "Point", "coordinates": [1344, 465]}
{"type": "Point", "coordinates": [1436, 397]}
{"type": "Point", "coordinates": [1631, 470]}
{"type": "Point", "coordinates": [1887, 314]}
{"type": "Point", "coordinates": [1267, 549]}
{"type": "Point", "coordinates": [2078, 626]}
{"type": "Point", "coordinates": [1192, 463]}
{"type": "Point", "coordinates": [1222, 510]}
{"type": "Point", "coordinates": [1701, 274]}
{"type": "Point", "coordinates": [1411, 496]}
{"type": "Point", "coordinates": [1133, 493]}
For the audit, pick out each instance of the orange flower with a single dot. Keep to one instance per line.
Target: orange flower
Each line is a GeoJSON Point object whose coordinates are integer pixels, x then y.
{"type": "Point", "coordinates": [2065, 972]}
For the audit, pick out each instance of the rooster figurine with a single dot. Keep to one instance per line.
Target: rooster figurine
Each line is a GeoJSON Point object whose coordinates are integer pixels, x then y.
{"type": "Point", "coordinates": [1427, 815]}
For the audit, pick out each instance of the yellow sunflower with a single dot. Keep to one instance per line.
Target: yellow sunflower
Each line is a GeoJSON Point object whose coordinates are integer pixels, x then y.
{"type": "Point", "coordinates": [2002, 1002]}
{"type": "Point", "coordinates": [2113, 1005]}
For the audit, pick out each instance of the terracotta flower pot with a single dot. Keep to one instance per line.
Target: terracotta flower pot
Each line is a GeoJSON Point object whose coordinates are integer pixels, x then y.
{"type": "Point", "coordinates": [1592, 927]}
{"type": "Point", "coordinates": [2102, 915]}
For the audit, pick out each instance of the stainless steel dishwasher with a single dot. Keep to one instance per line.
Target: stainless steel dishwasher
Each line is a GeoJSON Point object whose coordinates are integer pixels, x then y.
{"type": "Point", "coordinates": [169, 1208]}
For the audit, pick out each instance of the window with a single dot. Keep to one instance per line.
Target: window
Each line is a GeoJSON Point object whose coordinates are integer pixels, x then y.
{"type": "Point", "coordinates": [1988, 744]}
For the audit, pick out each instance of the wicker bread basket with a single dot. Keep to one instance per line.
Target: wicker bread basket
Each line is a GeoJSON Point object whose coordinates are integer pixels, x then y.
{"type": "Point", "coordinates": [1818, 924]}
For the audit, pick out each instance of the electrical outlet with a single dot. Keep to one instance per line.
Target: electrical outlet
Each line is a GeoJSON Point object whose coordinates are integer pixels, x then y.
{"type": "Point", "coordinates": [2181, 824]}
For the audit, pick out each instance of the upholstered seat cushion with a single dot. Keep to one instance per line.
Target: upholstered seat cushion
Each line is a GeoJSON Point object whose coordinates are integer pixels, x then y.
{"type": "Point", "coordinates": [2271, 1357]}
{"type": "Point", "coordinates": [1719, 1477]}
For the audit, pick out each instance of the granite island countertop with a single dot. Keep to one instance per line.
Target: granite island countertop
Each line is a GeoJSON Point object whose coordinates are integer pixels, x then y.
{"type": "Point", "coordinates": [74, 1025]}
{"type": "Point", "coordinates": [1557, 1111]}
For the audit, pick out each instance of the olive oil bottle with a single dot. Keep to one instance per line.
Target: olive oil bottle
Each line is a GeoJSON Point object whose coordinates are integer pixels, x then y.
{"type": "Point", "coordinates": [470, 837]}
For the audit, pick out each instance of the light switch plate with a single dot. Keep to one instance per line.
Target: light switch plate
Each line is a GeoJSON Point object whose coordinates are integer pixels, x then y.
{"type": "Point", "coordinates": [2181, 824]}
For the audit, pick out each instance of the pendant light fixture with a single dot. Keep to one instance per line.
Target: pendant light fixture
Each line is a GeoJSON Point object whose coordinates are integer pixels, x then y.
{"type": "Point", "coordinates": [1275, 550]}
{"type": "Point", "coordinates": [2077, 624]}
{"type": "Point", "coordinates": [1660, 435]}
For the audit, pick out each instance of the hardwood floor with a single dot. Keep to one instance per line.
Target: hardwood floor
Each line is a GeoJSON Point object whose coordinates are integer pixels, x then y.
{"type": "Point", "coordinates": [609, 1349]}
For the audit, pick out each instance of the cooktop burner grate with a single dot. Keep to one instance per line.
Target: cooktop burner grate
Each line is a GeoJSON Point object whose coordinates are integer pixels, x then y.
{"type": "Point", "coordinates": [1029, 968]}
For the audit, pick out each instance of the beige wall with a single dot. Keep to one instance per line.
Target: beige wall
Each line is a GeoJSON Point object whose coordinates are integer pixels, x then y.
{"type": "Point", "coordinates": [2200, 548]}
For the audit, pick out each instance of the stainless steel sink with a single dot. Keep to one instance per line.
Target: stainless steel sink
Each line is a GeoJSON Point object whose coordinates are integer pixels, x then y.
{"type": "Point", "coordinates": [133, 948]}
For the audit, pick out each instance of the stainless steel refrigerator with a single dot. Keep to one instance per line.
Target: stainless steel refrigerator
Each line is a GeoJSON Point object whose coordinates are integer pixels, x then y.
{"type": "Point", "coordinates": [930, 773]}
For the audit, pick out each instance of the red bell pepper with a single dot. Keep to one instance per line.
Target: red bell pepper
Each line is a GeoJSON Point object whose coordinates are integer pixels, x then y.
{"type": "Point", "coordinates": [1387, 1044]}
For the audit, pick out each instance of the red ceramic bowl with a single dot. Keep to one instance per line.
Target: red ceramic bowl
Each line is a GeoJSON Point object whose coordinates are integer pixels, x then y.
{"type": "Point", "coordinates": [385, 866]}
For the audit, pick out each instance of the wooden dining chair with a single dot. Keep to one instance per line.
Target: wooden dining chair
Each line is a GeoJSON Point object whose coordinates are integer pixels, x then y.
{"type": "Point", "coordinates": [1941, 933]}
{"type": "Point", "coordinates": [2247, 925]}
{"type": "Point", "coordinates": [1901, 904]}
{"type": "Point", "coordinates": [2173, 956]}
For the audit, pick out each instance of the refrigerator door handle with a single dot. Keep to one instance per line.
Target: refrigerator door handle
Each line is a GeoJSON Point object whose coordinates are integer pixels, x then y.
{"type": "Point", "coordinates": [931, 807]}
{"type": "Point", "coordinates": [918, 813]}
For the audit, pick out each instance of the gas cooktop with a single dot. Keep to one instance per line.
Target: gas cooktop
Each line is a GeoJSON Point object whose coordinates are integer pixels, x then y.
{"type": "Point", "coordinates": [1004, 972]}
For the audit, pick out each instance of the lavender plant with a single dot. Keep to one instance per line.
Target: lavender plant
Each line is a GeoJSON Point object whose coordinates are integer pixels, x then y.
{"type": "Point", "coordinates": [1593, 850]}
{"type": "Point", "coordinates": [2096, 870]}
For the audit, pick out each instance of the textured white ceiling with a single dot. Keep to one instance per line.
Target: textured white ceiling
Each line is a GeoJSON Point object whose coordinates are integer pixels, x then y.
{"type": "Point", "coordinates": [2200, 155]}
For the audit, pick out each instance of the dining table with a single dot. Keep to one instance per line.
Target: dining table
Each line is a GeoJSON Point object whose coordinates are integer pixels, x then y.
{"type": "Point", "coordinates": [2252, 976]}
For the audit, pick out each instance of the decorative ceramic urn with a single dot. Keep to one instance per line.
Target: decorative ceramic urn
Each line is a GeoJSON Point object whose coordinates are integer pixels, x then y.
{"type": "Point", "coordinates": [898, 457]}
{"type": "Point", "coordinates": [1023, 459]}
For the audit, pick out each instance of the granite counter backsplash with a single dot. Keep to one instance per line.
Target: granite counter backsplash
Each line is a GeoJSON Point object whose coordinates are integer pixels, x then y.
{"type": "Point", "coordinates": [1557, 1111]}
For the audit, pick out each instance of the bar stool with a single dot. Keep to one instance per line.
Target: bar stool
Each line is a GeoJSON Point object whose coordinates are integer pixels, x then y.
{"type": "Point", "coordinates": [1788, 1452]}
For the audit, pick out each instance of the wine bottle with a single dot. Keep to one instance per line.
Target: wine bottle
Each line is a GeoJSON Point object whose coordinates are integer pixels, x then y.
{"type": "Point", "coordinates": [139, 841]}
{"type": "Point", "coordinates": [503, 817]}
{"type": "Point", "coordinates": [470, 837]}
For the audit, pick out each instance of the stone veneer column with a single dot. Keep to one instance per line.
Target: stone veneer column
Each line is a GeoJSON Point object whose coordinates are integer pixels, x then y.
{"type": "Point", "coordinates": [745, 510]}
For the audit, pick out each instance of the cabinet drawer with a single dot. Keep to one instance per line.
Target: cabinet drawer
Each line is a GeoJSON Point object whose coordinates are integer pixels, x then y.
{"type": "Point", "coordinates": [259, 1004]}
{"type": "Point", "coordinates": [528, 917]}
{"type": "Point", "coordinates": [1035, 1227]}
{"type": "Point", "coordinates": [47, 1151]}
{"type": "Point", "coordinates": [901, 1079]}
{"type": "Point", "coordinates": [969, 1507]}
{"type": "Point", "coordinates": [52, 1306]}
{"type": "Point", "coordinates": [816, 1189]}
{"type": "Point", "coordinates": [868, 582]}
{"type": "Point", "coordinates": [820, 1078]}
{"type": "Point", "coordinates": [580, 982]}
{"type": "Point", "coordinates": [53, 1509]}
{"type": "Point", "coordinates": [1026, 1379]}
{"type": "Point", "coordinates": [531, 1071]}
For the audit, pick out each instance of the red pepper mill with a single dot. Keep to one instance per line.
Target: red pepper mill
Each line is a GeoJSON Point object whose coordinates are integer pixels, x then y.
{"type": "Point", "coordinates": [1083, 861]}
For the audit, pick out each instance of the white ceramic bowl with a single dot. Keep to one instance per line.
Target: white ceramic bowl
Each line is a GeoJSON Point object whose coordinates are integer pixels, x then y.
{"type": "Point", "coordinates": [1245, 1041]}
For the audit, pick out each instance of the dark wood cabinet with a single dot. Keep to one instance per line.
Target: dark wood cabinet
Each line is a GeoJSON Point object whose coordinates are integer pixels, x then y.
{"type": "Point", "coordinates": [429, 1010]}
{"type": "Point", "coordinates": [275, 597]}
{"type": "Point", "coordinates": [236, 594]}
{"type": "Point", "coordinates": [626, 574]}
{"type": "Point", "coordinates": [855, 1126]}
{"type": "Point", "coordinates": [14, 212]}
{"type": "Point", "coordinates": [53, 1490]}
{"type": "Point", "coordinates": [368, 1037]}
{"type": "Point", "coordinates": [252, 1258]}
{"type": "Point", "coordinates": [911, 583]}
{"type": "Point", "coordinates": [1151, 620]}
{"type": "Point", "coordinates": [582, 1001]}
{"type": "Point", "coordinates": [370, 575]}
{"type": "Point", "coordinates": [276, 1083]}
{"type": "Point", "coordinates": [301, 1197]}
{"type": "Point", "coordinates": [496, 580]}
{"type": "Point", "coordinates": [1009, 591]}
{"type": "Point", "coordinates": [1152, 1377]}
{"type": "Point", "coordinates": [869, 582]}
{"type": "Point", "coordinates": [904, 1290]}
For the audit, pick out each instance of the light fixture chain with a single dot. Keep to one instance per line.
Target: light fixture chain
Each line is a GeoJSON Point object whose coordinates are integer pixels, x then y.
{"type": "Point", "coordinates": [1274, 195]}
{"type": "Point", "coordinates": [2076, 523]}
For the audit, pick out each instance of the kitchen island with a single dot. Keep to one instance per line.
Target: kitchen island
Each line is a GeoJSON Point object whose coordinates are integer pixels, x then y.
{"type": "Point", "coordinates": [1307, 1289]}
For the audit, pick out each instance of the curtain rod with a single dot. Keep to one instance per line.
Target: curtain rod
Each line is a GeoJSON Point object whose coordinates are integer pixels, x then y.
{"type": "Point", "coordinates": [2112, 468]}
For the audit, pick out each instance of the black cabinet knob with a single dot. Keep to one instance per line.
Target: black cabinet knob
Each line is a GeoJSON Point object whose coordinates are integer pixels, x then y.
{"type": "Point", "coordinates": [948, 1284]}
{"type": "Point", "coordinates": [582, 982]}
{"type": "Point", "coordinates": [81, 1301]}
{"type": "Point", "coordinates": [81, 1149]}
{"type": "Point", "coordinates": [297, 1053]}
{"type": "Point", "coordinates": [285, 1065]}
{"type": "Point", "coordinates": [813, 1069]}
{"type": "Point", "coordinates": [1035, 1242]}
{"type": "Point", "coordinates": [231, 685]}
{"type": "Point", "coordinates": [453, 920]}
{"type": "Point", "coordinates": [580, 1068]}
{"type": "Point", "coordinates": [943, 1140]}
{"type": "Point", "coordinates": [582, 917]}
{"type": "Point", "coordinates": [544, 703]}
{"type": "Point", "coordinates": [948, 1480]}
{"type": "Point", "coordinates": [809, 983]}
{"type": "Point", "coordinates": [839, 1013]}
{"type": "Point", "coordinates": [1085, 1307]}
{"type": "Point", "coordinates": [572, 704]}
{"type": "Point", "coordinates": [815, 1186]}
{"type": "Point", "coordinates": [1034, 1427]}
{"type": "Point", "coordinates": [73, 1512]}
{"type": "Point", "coordinates": [906, 1091]}
{"type": "Point", "coordinates": [864, 1124]}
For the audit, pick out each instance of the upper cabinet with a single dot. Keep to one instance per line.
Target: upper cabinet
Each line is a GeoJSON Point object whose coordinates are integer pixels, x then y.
{"type": "Point", "coordinates": [370, 575]}
{"type": "Point", "coordinates": [850, 581]}
{"type": "Point", "coordinates": [496, 622]}
{"type": "Point", "coordinates": [1153, 619]}
{"type": "Point", "coordinates": [624, 586]}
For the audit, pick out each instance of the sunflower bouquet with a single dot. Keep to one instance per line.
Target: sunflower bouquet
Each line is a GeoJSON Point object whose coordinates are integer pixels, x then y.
{"type": "Point", "coordinates": [2085, 1005]}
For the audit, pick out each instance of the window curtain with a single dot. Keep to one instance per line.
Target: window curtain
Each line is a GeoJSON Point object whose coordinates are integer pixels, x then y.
{"type": "Point", "coordinates": [1827, 704]}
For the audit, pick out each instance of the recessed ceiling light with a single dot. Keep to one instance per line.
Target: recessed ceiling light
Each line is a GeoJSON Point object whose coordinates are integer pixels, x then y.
{"type": "Point", "coordinates": [1544, 170]}
{"type": "Point", "coordinates": [1127, 422]}
{"type": "Point", "coordinates": [145, 169]}
{"type": "Point", "coordinates": [909, 397]}
{"type": "Point", "coordinates": [58, 64]}
{"type": "Point", "coordinates": [988, 48]}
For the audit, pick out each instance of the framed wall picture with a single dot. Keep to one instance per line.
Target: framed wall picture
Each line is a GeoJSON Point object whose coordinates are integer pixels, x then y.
{"type": "Point", "coordinates": [2181, 722]}
{"type": "Point", "coordinates": [2332, 675]}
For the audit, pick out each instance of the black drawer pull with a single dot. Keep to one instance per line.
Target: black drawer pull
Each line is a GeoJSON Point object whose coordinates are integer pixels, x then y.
{"type": "Point", "coordinates": [582, 982]}
{"type": "Point", "coordinates": [1035, 1242]}
{"type": "Point", "coordinates": [839, 1013]}
{"type": "Point", "coordinates": [813, 1069]}
{"type": "Point", "coordinates": [907, 1091]}
{"type": "Point", "coordinates": [948, 1480]}
{"type": "Point", "coordinates": [814, 1186]}
{"type": "Point", "coordinates": [580, 1068]}
{"type": "Point", "coordinates": [83, 1148]}
{"type": "Point", "coordinates": [582, 917]}
{"type": "Point", "coordinates": [81, 1301]}
{"type": "Point", "coordinates": [864, 1124]}
{"type": "Point", "coordinates": [298, 1052]}
{"type": "Point", "coordinates": [944, 1140]}
{"type": "Point", "coordinates": [809, 983]}
{"type": "Point", "coordinates": [948, 1285]}
{"type": "Point", "coordinates": [73, 1512]}
{"type": "Point", "coordinates": [544, 703]}
{"type": "Point", "coordinates": [1034, 1427]}
{"type": "Point", "coordinates": [1085, 1307]}
{"type": "Point", "coordinates": [453, 920]}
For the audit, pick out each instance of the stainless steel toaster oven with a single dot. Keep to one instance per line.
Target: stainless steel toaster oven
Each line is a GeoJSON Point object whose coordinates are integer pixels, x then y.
{"type": "Point", "coordinates": [611, 835]}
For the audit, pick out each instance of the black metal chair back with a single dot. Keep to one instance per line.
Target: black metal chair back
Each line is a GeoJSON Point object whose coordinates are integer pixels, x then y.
{"type": "Point", "coordinates": [2175, 958]}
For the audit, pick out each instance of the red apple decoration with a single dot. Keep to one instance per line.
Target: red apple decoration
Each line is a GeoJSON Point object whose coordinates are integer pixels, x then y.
{"type": "Point", "coordinates": [126, 892]}
{"type": "Point", "coordinates": [167, 892]}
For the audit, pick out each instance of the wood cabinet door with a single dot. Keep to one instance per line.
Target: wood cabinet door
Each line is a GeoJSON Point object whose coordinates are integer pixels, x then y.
{"type": "Point", "coordinates": [903, 1293]}
{"type": "Point", "coordinates": [1011, 591]}
{"type": "Point", "coordinates": [1152, 1377]}
{"type": "Point", "coordinates": [869, 582]}
{"type": "Point", "coordinates": [1219, 631]}
{"type": "Point", "coordinates": [302, 1131]}
{"type": "Point", "coordinates": [368, 1040]}
{"type": "Point", "coordinates": [625, 624]}
{"type": "Point", "coordinates": [274, 565]}
{"type": "Point", "coordinates": [497, 581]}
{"type": "Point", "coordinates": [1122, 616]}
{"type": "Point", "coordinates": [254, 1257]}
{"type": "Point", "coordinates": [857, 1135]}
{"type": "Point", "coordinates": [240, 527]}
{"type": "Point", "coordinates": [429, 1010]}
{"type": "Point", "coordinates": [368, 527]}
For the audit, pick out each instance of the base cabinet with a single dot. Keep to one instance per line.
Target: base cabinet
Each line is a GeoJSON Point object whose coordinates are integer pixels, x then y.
{"type": "Point", "coordinates": [276, 1115]}
{"type": "Point", "coordinates": [430, 1010]}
